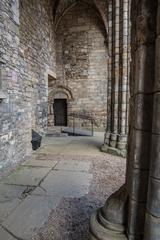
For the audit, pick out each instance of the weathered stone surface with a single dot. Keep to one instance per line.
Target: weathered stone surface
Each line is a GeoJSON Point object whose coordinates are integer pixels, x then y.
{"type": "Point", "coordinates": [11, 191]}
{"type": "Point", "coordinates": [137, 212]}
{"type": "Point", "coordinates": [73, 166]}
{"type": "Point", "coordinates": [5, 235]}
{"type": "Point", "coordinates": [27, 49]}
{"type": "Point", "coordinates": [118, 75]}
{"type": "Point", "coordinates": [144, 71]}
{"type": "Point", "coordinates": [157, 83]}
{"type": "Point", "coordinates": [72, 43]}
{"type": "Point", "coordinates": [143, 111]}
{"type": "Point", "coordinates": [40, 163]}
{"type": "Point", "coordinates": [156, 120]}
{"type": "Point", "coordinates": [7, 205]}
{"type": "Point", "coordinates": [10, 198]}
{"type": "Point", "coordinates": [99, 232]}
{"type": "Point", "coordinates": [154, 197]}
{"type": "Point", "coordinates": [81, 62]}
{"type": "Point", "coordinates": [30, 216]}
{"type": "Point", "coordinates": [141, 154]}
{"type": "Point", "coordinates": [65, 184]}
{"type": "Point", "coordinates": [155, 151]}
{"type": "Point", "coordinates": [28, 176]}
{"type": "Point", "coordinates": [139, 184]}
{"type": "Point", "coordinates": [152, 228]}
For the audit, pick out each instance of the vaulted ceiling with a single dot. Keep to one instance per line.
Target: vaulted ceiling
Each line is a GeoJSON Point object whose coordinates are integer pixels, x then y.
{"type": "Point", "coordinates": [60, 7]}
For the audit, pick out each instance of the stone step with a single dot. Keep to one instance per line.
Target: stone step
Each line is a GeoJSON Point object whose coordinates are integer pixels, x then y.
{"type": "Point", "coordinates": [56, 134]}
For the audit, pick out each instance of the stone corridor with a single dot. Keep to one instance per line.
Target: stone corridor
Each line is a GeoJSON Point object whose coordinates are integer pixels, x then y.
{"type": "Point", "coordinates": [53, 193]}
{"type": "Point", "coordinates": [85, 65]}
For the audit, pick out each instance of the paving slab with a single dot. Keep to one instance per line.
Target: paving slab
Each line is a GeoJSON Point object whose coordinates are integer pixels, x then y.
{"type": "Point", "coordinates": [7, 205]}
{"type": "Point", "coordinates": [73, 166]}
{"type": "Point", "coordinates": [4, 235]}
{"type": "Point", "coordinates": [30, 216]}
{"type": "Point", "coordinates": [10, 198]}
{"type": "Point", "coordinates": [11, 191]}
{"type": "Point", "coordinates": [28, 176]}
{"type": "Point", "coordinates": [40, 163]}
{"type": "Point", "coordinates": [65, 184]}
{"type": "Point", "coordinates": [52, 149]}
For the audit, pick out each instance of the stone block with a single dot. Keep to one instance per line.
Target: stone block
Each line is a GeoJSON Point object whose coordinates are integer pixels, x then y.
{"type": "Point", "coordinates": [7, 205]}
{"type": "Point", "coordinates": [28, 176]}
{"type": "Point", "coordinates": [141, 149]}
{"type": "Point", "coordinates": [143, 112]}
{"type": "Point", "coordinates": [40, 163]}
{"type": "Point", "coordinates": [139, 185]}
{"type": "Point", "coordinates": [144, 70]}
{"type": "Point", "coordinates": [155, 153]}
{"type": "Point", "coordinates": [157, 77]}
{"type": "Point", "coordinates": [65, 184]}
{"type": "Point", "coordinates": [10, 197]}
{"type": "Point", "coordinates": [136, 218]}
{"type": "Point", "coordinates": [4, 235]}
{"type": "Point", "coordinates": [156, 114]}
{"type": "Point", "coordinates": [158, 20]}
{"type": "Point", "coordinates": [73, 166]}
{"type": "Point", "coordinates": [152, 228]}
{"type": "Point", "coordinates": [11, 191]}
{"type": "Point", "coordinates": [153, 204]}
{"type": "Point", "coordinates": [30, 216]}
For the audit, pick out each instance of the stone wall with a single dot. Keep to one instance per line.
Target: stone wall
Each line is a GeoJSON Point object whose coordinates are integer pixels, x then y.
{"type": "Point", "coordinates": [26, 56]}
{"type": "Point", "coordinates": [14, 109]}
{"type": "Point", "coordinates": [82, 60]}
{"type": "Point", "coordinates": [37, 45]}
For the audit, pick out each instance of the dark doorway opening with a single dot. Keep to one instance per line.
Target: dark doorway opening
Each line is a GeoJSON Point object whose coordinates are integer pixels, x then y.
{"type": "Point", "coordinates": [60, 112]}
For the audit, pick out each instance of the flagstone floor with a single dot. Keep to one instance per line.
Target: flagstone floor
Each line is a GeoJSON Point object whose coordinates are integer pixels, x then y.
{"type": "Point", "coordinates": [52, 195]}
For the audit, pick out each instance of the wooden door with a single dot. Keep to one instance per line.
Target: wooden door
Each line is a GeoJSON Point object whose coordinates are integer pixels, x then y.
{"type": "Point", "coordinates": [60, 112]}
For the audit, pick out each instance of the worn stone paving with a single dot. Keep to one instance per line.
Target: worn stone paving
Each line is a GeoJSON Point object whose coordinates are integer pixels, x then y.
{"type": "Point", "coordinates": [52, 195]}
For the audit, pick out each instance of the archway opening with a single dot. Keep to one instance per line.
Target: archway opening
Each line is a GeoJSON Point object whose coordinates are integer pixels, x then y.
{"type": "Point", "coordinates": [81, 58]}
{"type": "Point", "coordinates": [60, 112]}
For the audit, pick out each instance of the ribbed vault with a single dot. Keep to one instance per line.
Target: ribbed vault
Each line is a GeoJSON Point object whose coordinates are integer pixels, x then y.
{"type": "Point", "coordinates": [60, 7]}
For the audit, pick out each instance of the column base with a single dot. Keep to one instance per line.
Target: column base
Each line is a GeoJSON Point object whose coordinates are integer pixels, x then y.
{"type": "Point", "coordinates": [99, 232]}
{"type": "Point", "coordinates": [114, 151]}
{"type": "Point", "coordinates": [115, 144]}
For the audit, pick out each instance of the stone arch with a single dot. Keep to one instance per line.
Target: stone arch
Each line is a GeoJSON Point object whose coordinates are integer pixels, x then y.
{"type": "Point", "coordinates": [79, 43]}
{"type": "Point", "coordinates": [61, 91]}
{"type": "Point", "coordinates": [57, 92]}
{"type": "Point", "coordinates": [95, 6]}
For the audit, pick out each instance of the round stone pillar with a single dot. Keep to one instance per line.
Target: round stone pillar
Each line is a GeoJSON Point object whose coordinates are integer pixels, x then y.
{"type": "Point", "coordinates": [152, 223]}
{"type": "Point", "coordinates": [124, 215]}
{"type": "Point", "coordinates": [118, 80]}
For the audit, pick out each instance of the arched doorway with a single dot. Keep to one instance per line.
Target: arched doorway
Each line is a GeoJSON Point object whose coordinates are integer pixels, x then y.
{"type": "Point", "coordinates": [59, 105]}
{"type": "Point", "coordinates": [60, 112]}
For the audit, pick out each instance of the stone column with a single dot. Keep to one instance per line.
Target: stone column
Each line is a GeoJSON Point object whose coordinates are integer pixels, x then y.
{"type": "Point", "coordinates": [143, 17]}
{"type": "Point", "coordinates": [109, 92]}
{"type": "Point", "coordinates": [118, 72]}
{"type": "Point", "coordinates": [124, 75]}
{"type": "Point", "coordinates": [152, 224]}
{"type": "Point", "coordinates": [123, 216]}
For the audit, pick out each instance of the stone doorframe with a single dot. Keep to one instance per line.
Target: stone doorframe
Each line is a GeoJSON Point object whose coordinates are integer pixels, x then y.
{"type": "Point", "coordinates": [57, 92]}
